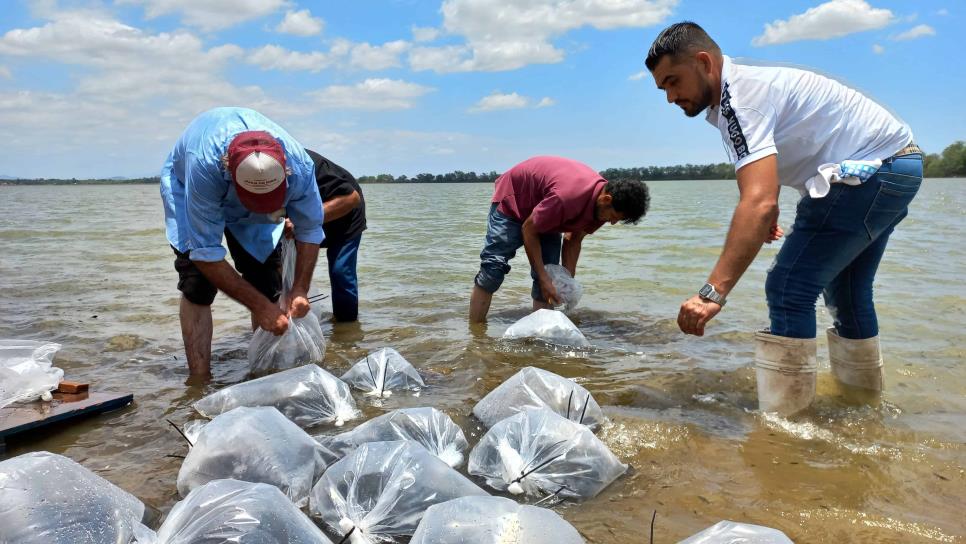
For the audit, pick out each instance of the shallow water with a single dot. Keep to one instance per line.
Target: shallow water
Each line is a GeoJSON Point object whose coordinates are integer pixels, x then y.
{"type": "Point", "coordinates": [88, 266]}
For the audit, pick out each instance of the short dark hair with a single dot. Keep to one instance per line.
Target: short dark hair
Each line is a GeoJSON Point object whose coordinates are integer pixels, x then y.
{"type": "Point", "coordinates": [678, 39]}
{"type": "Point", "coordinates": [629, 197]}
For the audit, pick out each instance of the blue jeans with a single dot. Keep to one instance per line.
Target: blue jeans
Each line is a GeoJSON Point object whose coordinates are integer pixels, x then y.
{"type": "Point", "coordinates": [834, 249]}
{"type": "Point", "coordinates": [504, 236]}
{"type": "Point", "coordinates": [342, 259]}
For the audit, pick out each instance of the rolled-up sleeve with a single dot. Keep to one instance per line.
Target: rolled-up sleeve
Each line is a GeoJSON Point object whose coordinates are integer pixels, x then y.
{"type": "Point", "coordinates": [305, 209]}
{"type": "Point", "coordinates": [205, 191]}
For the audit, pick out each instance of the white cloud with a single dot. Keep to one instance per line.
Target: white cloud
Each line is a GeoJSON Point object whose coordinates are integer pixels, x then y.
{"type": "Point", "coordinates": [878, 49]}
{"type": "Point", "coordinates": [377, 57]}
{"type": "Point", "coordinates": [942, 12]}
{"type": "Point", "coordinates": [508, 101]}
{"type": "Point", "coordinates": [917, 31]}
{"type": "Point", "coordinates": [5, 72]}
{"type": "Point", "coordinates": [371, 94]}
{"type": "Point", "coordinates": [502, 35]}
{"type": "Point", "coordinates": [425, 33]}
{"type": "Point", "coordinates": [209, 14]}
{"type": "Point", "coordinates": [638, 76]}
{"type": "Point", "coordinates": [300, 23]}
{"type": "Point", "coordinates": [274, 57]}
{"type": "Point", "coordinates": [832, 19]}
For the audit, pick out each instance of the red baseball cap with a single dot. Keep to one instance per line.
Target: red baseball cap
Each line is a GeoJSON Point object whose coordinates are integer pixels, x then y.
{"type": "Point", "coordinates": [256, 162]}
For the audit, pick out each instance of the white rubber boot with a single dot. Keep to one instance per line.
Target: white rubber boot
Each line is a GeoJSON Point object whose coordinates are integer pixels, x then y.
{"type": "Point", "coordinates": [786, 371]}
{"type": "Point", "coordinates": [856, 363]}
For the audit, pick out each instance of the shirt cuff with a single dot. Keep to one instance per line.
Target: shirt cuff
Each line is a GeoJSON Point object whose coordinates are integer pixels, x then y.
{"type": "Point", "coordinates": [208, 254]}
{"type": "Point", "coordinates": [752, 157]}
{"type": "Point", "coordinates": [314, 235]}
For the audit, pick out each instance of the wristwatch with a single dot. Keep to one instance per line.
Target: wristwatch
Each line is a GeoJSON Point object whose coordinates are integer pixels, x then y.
{"type": "Point", "coordinates": [707, 292]}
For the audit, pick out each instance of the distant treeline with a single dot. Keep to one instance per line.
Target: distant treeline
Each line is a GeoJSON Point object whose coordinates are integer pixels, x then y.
{"type": "Point", "coordinates": [951, 163]}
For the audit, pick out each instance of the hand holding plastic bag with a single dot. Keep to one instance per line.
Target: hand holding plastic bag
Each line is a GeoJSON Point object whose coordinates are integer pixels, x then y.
{"type": "Point", "coordinates": [568, 289]}
{"type": "Point", "coordinates": [26, 371]}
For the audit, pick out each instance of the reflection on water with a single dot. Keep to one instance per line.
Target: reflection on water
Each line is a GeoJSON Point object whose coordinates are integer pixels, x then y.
{"type": "Point", "coordinates": [89, 267]}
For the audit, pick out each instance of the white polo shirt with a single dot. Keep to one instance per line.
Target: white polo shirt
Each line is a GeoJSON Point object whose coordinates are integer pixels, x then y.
{"type": "Point", "coordinates": [805, 118]}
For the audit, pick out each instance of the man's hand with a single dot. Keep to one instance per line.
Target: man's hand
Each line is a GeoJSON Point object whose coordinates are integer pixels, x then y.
{"type": "Point", "coordinates": [271, 318]}
{"type": "Point", "coordinates": [775, 233]}
{"type": "Point", "coordinates": [695, 314]}
{"type": "Point", "coordinates": [289, 230]}
{"type": "Point", "coordinates": [548, 291]}
{"type": "Point", "coordinates": [297, 304]}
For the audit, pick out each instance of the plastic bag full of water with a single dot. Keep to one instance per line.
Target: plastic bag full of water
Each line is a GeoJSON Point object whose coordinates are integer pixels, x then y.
{"type": "Point", "coordinates": [303, 341]}
{"type": "Point", "coordinates": [534, 387]}
{"type": "Point", "coordinates": [46, 498]}
{"type": "Point", "coordinates": [730, 532]}
{"type": "Point", "coordinates": [568, 289]}
{"type": "Point", "coordinates": [551, 326]}
{"type": "Point", "coordinates": [493, 520]}
{"type": "Point", "coordinates": [431, 428]}
{"type": "Point", "coordinates": [223, 511]}
{"type": "Point", "coordinates": [382, 372]}
{"type": "Point", "coordinates": [26, 371]}
{"type": "Point", "coordinates": [254, 445]}
{"type": "Point", "coordinates": [539, 453]}
{"type": "Point", "coordinates": [307, 395]}
{"type": "Point", "coordinates": [380, 491]}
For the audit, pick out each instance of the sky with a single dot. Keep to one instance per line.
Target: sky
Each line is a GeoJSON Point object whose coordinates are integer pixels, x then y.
{"type": "Point", "coordinates": [103, 88]}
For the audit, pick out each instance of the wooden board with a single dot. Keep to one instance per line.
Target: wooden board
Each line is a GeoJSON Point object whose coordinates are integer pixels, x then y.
{"type": "Point", "coordinates": [22, 417]}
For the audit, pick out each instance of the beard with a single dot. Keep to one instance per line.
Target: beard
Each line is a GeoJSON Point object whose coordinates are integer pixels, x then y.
{"type": "Point", "coordinates": [693, 108]}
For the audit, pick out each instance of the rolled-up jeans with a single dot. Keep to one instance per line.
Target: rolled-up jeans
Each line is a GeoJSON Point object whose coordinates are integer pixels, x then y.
{"type": "Point", "coordinates": [834, 249]}
{"type": "Point", "coordinates": [504, 236]}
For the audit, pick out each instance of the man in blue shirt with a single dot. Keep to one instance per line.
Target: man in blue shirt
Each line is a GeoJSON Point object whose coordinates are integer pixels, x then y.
{"type": "Point", "coordinates": [235, 173]}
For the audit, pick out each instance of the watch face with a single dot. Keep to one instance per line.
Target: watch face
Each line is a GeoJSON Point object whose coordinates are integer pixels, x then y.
{"type": "Point", "coordinates": [705, 290]}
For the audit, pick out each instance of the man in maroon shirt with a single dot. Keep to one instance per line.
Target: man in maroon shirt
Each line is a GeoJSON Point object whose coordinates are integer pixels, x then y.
{"type": "Point", "coordinates": [534, 203]}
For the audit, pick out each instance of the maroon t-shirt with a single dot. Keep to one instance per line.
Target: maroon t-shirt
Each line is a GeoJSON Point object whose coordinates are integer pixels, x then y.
{"type": "Point", "coordinates": [560, 194]}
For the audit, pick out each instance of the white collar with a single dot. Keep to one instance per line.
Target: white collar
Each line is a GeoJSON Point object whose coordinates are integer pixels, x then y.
{"type": "Point", "coordinates": [711, 115]}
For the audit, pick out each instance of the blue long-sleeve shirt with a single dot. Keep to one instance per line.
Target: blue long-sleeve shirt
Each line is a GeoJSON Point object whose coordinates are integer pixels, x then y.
{"type": "Point", "coordinates": [200, 199]}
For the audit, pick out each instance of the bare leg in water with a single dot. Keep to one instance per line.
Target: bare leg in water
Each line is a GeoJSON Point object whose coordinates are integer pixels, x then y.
{"type": "Point", "coordinates": [196, 331]}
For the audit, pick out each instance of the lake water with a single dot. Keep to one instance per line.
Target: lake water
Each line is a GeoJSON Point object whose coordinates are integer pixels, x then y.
{"type": "Point", "coordinates": [89, 267]}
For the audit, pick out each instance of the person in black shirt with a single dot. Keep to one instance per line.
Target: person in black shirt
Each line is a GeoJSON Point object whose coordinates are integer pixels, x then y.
{"type": "Point", "coordinates": [345, 219]}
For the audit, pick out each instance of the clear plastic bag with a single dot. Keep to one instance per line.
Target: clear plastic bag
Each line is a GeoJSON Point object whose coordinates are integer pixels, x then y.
{"type": "Point", "coordinates": [254, 445]}
{"type": "Point", "coordinates": [493, 520]}
{"type": "Point", "coordinates": [26, 370]}
{"type": "Point", "coordinates": [303, 341]}
{"type": "Point", "coordinates": [568, 289]}
{"type": "Point", "coordinates": [431, 428]}
{"type": "Point", "coordinates": [46, 498]}
{"type": "Point", "coordinates": [731, 532]}
{"type": "Point", "coordinates": [223, 511]}
{"type": "Point", "coordinates": [539, 453]}
{"type": "Point", "coordinates": [381, 490]}
{"type": "Point", "coordinates": [382, 372]}
{"type": "Point", "coordinates": [535, 388]}
{"type": "Point", "coordinates": [307, 395]}
{"type": "Point", "coordinates": [551, 326]}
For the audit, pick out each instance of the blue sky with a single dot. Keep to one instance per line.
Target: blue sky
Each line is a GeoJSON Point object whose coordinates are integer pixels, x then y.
{"type": "Point", "coordinates": [100, 88]}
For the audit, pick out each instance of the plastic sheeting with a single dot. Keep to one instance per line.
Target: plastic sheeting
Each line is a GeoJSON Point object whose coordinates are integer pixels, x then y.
{"type": "Point", "coordinates": [382, 372]}
{"type": "Point", "coordinates": [540, 453]}
{"type": "Point", "coordinates": [254, 445]}
{"type": "Point", "coordinates": [46, 498]}
{"type": "Point", "coordinates": [550, 326]}
{"type": "Point", "coordinates": [381, 490]}
{"type": "Point", "coordinates": [568, 289]}
{"type": "Point", "coordinates": [493, 520]}
{"type": "Point", "coordinates": [307, 395]}
{"type": "Point", "coordinates": [431, 428]}
{"type": "Point", "coordinates": [224, 511]}
{"type": "Point", "coordinates": [303, 341]}
{"type": "Point", "coordinates": [537, 388]}
{"type": "Point", "coordinates": [26, 370]}
{"type": "Point", "coordinates": [730, 532]}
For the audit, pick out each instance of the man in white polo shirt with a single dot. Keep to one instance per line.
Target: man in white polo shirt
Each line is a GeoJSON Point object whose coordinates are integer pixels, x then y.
{"type": "Point", "coordinates": [857, 169]}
